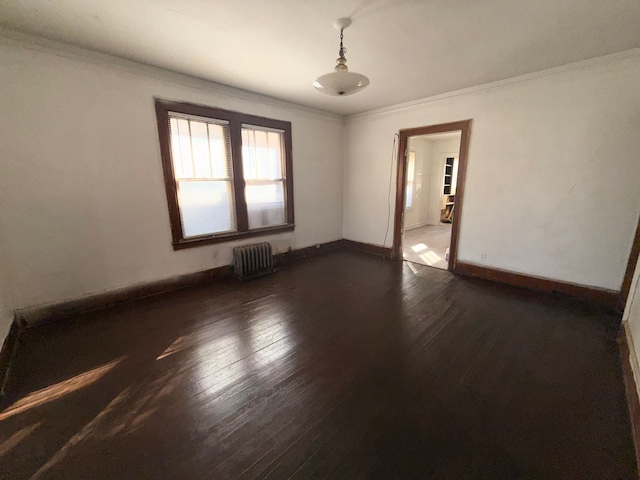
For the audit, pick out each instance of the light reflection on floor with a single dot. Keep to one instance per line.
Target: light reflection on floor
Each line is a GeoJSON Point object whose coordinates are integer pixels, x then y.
{"type": "Point", "coordinates": [427, 245]}
{"type": "Point", "coordinates": [59, 389]}
{"type": "Point", "coordinates": [16, 438]}
{"type": "Point", "coordinates": [429, 257]}
{"type": "Point", "coordinates": [419, 247]}
{"type": "Point", "coordinates": [413, 268]}
{"type": "Point", "coordinates": [270, 339]}
{"type": "Point", "coordinates": [176, 346]}
{"type": "Point", "coordinates": [255, 345]}
{"type": "Point", "coordinates": [228, 351]}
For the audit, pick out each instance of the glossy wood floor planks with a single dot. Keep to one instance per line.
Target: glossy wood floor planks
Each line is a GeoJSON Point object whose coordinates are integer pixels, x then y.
{"type": "Point", "coordinates": [341, 366]}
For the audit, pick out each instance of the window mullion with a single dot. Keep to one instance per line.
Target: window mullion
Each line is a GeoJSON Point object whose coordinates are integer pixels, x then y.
{"type": "Point", "coordinates": [235, 131]}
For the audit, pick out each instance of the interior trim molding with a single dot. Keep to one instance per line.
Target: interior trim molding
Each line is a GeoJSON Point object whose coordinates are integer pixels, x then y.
{"type": "Point", "coordinates": [53, 312]}
{"type": "Point", "coordinates": [74, 52]}
{"type": "Point", "coordinates": [9, 347]}
{"type": "Point", "coordinates": [527, 77]}
{"type": "Point", "coordinates": [369, 248]}
{"type": "Point", "coordinates": [42, 314]}
{"type": "Point", "coordinates": [308, 252]}
{"type": "Point", "coordinates": [404, 135]}
{"type": "Point", "coordinates": [82, 53]}
{"type": "Point", "coordinates": [630, 371]}
{"type": "Point", "coordinates": [631, 269]}
{"type": "Point", "coordinates": [591, 295]}
{"type": "Point", "coordinates": [35, 316]}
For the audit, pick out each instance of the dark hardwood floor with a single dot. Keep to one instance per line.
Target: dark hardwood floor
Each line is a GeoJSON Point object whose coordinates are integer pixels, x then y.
{"type": "Point", "coordinates": [341, 366]}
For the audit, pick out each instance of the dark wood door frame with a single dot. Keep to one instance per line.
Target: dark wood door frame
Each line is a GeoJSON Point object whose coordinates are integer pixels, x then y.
{"type": "Point", "coordinates": [631, 268]}
{"type": "Point", "coordinates": [401, 185]}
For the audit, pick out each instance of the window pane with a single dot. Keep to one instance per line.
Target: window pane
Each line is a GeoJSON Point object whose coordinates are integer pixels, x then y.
{"type": "Point", "coordinates": [248, 154]}
{"type": "Point", "coordinates": [220, 151]}
{"type": "Point", "coordinates": [409, 202]}
{"type": "Point", "coordinates": [206, 207]}
{"type": "Point", "coordinates": [200, 148]}
{"type": "Point", "coordinates": [265, 204]}
{"type": "Point", "coordinates": [411, 170]}
{"type": "Point", "coordinates": [275, 155]}
{"type": "Point", "coordinates": [181, 148]}
{"type": "Point", "coordinates": [454, 177]}
{"type": "Point", "coordinates": [411, 167]}
{"type": "Point", "coordinates": [261, 154]}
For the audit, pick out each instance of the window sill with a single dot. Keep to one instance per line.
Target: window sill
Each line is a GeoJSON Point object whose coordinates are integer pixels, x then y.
{"type": "Point", "coordinates": [229, 237]}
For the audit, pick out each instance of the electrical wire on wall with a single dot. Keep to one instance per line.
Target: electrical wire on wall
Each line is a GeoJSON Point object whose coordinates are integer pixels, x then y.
{"type": "Point", "coordinates": [393, 156]}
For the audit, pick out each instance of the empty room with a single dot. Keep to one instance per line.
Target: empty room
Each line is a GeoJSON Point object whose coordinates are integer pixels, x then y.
{"type": "Point", "coordinates": [340, 239]}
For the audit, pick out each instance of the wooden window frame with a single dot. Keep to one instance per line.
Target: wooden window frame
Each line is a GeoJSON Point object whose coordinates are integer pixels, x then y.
{"type": "Point", "coordinates": [236, 120]}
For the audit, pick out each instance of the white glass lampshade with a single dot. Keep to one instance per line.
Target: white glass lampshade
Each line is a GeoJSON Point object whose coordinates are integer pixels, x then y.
{"type": "Point", "coordinates": [341, 83]}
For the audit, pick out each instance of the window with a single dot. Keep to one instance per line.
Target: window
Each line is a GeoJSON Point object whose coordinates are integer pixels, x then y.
{"type": "Point", "coordinates": [227, 174]}
{"type": "Point", "coordinates": [411, 168]}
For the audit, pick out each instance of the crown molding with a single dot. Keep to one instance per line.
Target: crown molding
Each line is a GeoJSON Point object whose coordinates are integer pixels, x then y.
{"type": "Point", "coordinates": [74, 52]}
{"type": "Point", "coordinates": [583, 64]}
{"type": "Point", "coordinates": [82, 54]}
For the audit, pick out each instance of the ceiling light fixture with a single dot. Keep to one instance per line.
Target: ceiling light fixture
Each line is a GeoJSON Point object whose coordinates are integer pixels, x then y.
{"type": "Point", "coordinates": [341, 81]}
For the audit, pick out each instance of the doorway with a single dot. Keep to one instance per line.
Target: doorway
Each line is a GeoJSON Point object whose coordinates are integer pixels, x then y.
{"type": "Point", "coordinates": [430, 190]}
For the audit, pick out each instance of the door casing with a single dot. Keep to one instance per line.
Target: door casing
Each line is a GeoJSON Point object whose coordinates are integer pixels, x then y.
{"type": "Point", "coordinates": [463, 126]}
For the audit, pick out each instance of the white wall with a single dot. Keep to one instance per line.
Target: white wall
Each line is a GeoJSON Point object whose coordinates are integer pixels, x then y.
{"type": "Point", "coordinates": [84, 209]}
{"type": "Point", "coordinates": [81, 187]}
{"type": "Point", "coordinates": [553, 177]}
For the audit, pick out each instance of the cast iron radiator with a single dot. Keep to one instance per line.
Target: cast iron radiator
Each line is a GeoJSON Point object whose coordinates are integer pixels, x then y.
{"type": "Point", "coordinates": [253, 260]}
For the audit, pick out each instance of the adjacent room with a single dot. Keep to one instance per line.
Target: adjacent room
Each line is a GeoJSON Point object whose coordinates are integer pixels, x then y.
{"type": "Point", "coordinates": [430, 193]}
{"type": "Point", "coordinates": [340, 239]}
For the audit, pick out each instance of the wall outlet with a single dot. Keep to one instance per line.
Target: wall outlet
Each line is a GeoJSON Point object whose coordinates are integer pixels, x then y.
{"type": "Point", "coordinates": [483, 256]}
